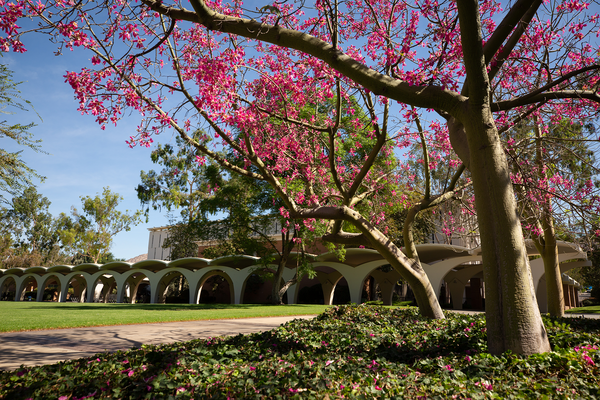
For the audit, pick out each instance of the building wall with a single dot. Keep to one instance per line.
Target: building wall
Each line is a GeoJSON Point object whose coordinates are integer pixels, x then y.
{"type": "Point", "coordinates": [155, 243]}
{"type": "Point", "coordinates": [157, 237]}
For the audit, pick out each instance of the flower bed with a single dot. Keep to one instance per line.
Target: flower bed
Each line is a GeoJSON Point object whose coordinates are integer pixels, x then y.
{"type": "Point", "coordinates": [348, 351]}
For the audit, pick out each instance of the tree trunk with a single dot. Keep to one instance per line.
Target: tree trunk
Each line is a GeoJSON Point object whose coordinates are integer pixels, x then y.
{"type": "Point", "coordinates": [554, 288]}
{"type": "Point", "coordinates": [276, 291]}
{"type": "Point", "coordinates": [411, 271]}
{"type": "Point", "coordinates": [547, 243]}
{"type": "Point", "coordinates": [512, 315]}
{"type": "Point", "coordinates": [548, 249]}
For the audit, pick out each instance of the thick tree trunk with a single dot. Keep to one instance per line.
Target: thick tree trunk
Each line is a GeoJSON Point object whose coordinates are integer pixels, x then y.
{"type": "Point", "coordinates": [512, 314]}
{"type": "Point", "coordinates": [513, 318]}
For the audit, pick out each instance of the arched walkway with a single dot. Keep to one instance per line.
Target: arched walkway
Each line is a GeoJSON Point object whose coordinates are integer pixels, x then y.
{"type": "Point", "coordinates": [310, 291]}
{"type": "Point", "coordinates": [137, 289]}
{"type": "Point", "coordinates": [258, 287]}
{"type": "Point", "coordinates": [454, 272]}
{"type": "Point", "coordinates": [341, 292]}
{"type": "Point", "coordinates": [173, 287]}
{"type": "Point", "coordinates": [76, 289]}
{"type": "Point", "coordinates": [104, 289]}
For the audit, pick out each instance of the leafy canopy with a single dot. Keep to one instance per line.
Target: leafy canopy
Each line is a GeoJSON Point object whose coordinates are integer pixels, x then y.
{"type": "Point", "coordinates": [15, 175]}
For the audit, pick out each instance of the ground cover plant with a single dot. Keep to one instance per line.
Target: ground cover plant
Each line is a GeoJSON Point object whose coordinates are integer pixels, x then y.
{"type": "Point", "coordinates": [28, 316]}
{"type": "Point", "coordinates": [346, 352]}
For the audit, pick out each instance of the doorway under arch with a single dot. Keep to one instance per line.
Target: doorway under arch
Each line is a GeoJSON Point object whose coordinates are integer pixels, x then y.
{"type": "Point", "coordinates": [28, 289]}
{"type": "Point", "coordinates": [76, 289]}
{"type": "Point", "coordinates": [173, 288]}
{"type": "Point", "coordinates": [8, 289]}
{"type": "Point", "coordinates": [215, 287]}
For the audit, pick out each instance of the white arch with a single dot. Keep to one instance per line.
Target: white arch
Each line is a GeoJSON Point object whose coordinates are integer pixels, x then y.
{"type": "Point", "coordinates": [196, 271]}
{"type": "Point", "coordinates": [234, 298]}
{"type": "Point", "coordinates": [21, 285]}
{"type": "Point", "coordinates": [437, 271]}
{"type": "Point", "coordinates": [44, 279]}
{"type": "Point", "coordinates": [68, 278]}
{"type": "Point", "coordinates": [4, 279]}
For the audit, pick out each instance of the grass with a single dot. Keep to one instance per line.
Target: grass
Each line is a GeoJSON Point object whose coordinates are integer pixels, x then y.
{"type": "Point", "coordinates": [28, 316]}
{"type": "Point", "coordinates": [585, 310]}
{"type": "Point", "coordinates": [352, 352]}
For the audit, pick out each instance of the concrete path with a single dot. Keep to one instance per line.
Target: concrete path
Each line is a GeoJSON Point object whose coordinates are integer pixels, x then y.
{"type": "Point", "coordinates": [51, 346]}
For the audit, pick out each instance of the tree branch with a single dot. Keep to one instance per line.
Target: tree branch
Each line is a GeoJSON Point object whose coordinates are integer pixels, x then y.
{"type": "Point", "coordinates": [544, 97]}
{"type": "Point", "coordinates": [473, 56]}
{"type": "Point", "coordinates": [346, 238]}
{"type": "Point", "coordinates": [519, 13]}
{"type": "Point", "coordinates": [380, 84]}
{"type": "Point", "coordinates": [512, 41]}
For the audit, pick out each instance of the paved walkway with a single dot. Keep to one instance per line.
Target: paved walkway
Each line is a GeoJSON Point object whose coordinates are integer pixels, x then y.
{"type": "Point", "coordinates": [51, 346]}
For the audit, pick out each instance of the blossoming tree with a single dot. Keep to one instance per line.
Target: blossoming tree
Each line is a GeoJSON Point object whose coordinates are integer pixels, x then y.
{"type": "Point", "coordinates": [236, 69]}
{"type": "Point", "coordinates": [554, 169]}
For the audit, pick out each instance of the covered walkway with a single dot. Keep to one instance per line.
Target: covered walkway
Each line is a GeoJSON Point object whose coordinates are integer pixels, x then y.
{"type": "Point", "coordinates": [455, 272]}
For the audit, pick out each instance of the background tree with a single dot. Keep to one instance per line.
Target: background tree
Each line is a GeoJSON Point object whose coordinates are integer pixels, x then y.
{"type": "Point", "coordinates": [253, 225]}
{"type": "Point", "coordinates": [92, 231]}
{"type": "Point", "coordinates": [182, 240]}
{"type": "Point", "coordinates": [15, 175]}
{"type": "Point", "coordinates": [248, 222]}
{"type": "Point", "coordinates": [179, 185]}
{"type": "Point", "coordinates": [474, 72]}
{"type": "Point", "coordinates": [554, 171]}
{"type": "Point", "coordinates": [32, 234]}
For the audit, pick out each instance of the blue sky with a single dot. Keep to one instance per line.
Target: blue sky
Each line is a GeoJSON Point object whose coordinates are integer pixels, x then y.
{"type": "Point", "coordinates": [82, 158]}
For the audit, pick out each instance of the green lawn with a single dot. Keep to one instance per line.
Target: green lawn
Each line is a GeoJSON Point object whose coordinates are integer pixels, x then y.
{"type": "Point", "coordinates": [28, 316]}
{"type": "Point", "coordinates": [584, 310]}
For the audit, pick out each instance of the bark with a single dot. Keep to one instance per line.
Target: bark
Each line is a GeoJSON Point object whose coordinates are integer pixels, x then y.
{"type": "Point", "coordinates": [285, 287]}
{"type": "Point", "coordinates": [554, 288]}
{"type": "Point", "coordinates": [276, 295]}
{"type": "Point", "coordinates": [278, 290]}
{"type": "Point", "coordinates": [512, 315]}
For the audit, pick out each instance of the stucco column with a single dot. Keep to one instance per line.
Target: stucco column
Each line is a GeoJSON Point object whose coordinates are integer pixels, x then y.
{"type": "Point", "coordinates": [457, 289]}
{"type": "Point", "coordinates": [386, 281]}
{"type": "Point", "coordinates": [328, 284]}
